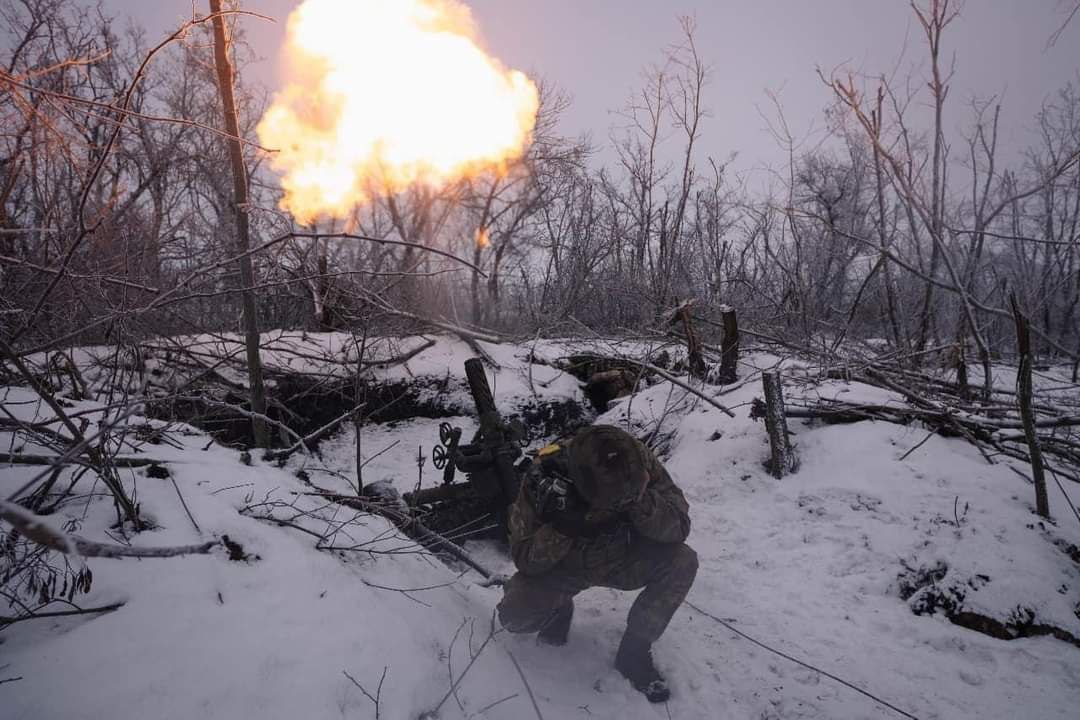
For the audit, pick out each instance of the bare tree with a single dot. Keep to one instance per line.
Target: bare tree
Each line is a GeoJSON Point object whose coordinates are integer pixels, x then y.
{"type": "Point", "coordinates": [243, 232]}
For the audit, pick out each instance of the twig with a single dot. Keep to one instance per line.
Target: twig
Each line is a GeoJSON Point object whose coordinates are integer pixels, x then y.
{"type": "Point", "coordinates": [286, 523]}
{"type": "Point", "coordinates": [406, 591]}
{"type": "Point", "coordinates": [675, 381]}
{"type": "Point", "coordinates": [378, 692]}
{"type": "Point", "coordinates": [400, 359]}
{"type": "Point", "coordinates": [62, 613]}
{"type": "Point", "coordinates": [231, 487]}
{"type": "Point", "coordinates": [1068, 500]}
{"type": "Point", "coordinates": [386, 449]}
{"type": "Point", "coordinates": [246, 413]}
{"type": "Point", "coordinates": [528, 688]}
{"type": "Point", "coordinates": [453, 688]}
{"type": "Point", "coordinates": [314, 436]}
{"type": "Point", "coordinates": [918, 445]}
{"type": "Point", "coordinates": [481, 711]}
{"type": "Point", "coordinates": [386, 241]}
{"type": "Point", "coordinates": [123, 113]}
{"type": "Point", "coordinates": [184, 503]}
{"type": "Point", "coordinates": [426, 536]}
{"type": "Point", "coordinates": [415, 589]}
{"type": "Point", "coordinates": [728, 389]}
{"type": "Point", "coordinates": [450, 660]}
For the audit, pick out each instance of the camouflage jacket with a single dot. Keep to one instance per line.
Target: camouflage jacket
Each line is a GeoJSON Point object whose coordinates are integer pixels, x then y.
{"type": "Point", "coordinates": [660, 514]}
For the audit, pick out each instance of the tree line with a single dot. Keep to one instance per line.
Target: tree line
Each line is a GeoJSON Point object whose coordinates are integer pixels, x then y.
{"type": "Point", "coordinates": [118, 210]}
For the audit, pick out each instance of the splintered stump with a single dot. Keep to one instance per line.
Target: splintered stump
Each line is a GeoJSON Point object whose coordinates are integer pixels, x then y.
{"type": "Point", "coordinates": [729, 346]}
{"type": "Point", "coordinates": [783, 460]}
{"type": "Point", "coordinates": [960, 362]}
{"type": "Point", "coordinates": [694, 357]}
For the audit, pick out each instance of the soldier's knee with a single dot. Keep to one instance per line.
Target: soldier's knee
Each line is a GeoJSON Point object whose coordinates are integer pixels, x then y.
{"type": "Point", "coordinates": [686, 561]}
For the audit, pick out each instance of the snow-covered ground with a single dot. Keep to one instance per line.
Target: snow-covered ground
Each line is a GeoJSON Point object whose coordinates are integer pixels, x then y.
{"type": "Point", "coordinates": [821, 565]}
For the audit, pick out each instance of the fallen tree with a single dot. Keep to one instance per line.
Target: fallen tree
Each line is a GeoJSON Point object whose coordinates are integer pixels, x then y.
{"type": "Point", "coordinates": [1008, 424]}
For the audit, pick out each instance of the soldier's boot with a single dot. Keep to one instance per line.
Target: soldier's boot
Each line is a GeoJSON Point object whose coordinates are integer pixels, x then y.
{"type": "Point", "coordinates": [557, 627]}
{"type": "Point", "coordinates": [634, 661]}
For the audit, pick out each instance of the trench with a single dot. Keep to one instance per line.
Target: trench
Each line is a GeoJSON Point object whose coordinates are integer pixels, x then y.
{"type": "Point", "coordinates": [305, 404]}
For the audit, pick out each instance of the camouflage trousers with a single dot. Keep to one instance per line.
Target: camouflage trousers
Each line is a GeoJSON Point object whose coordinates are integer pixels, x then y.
{"type": "Point", "coordinates": [624, 562]}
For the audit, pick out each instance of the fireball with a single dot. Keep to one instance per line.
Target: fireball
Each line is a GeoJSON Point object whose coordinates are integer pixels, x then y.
{"type": "Point", "coordinates": [384, 94]}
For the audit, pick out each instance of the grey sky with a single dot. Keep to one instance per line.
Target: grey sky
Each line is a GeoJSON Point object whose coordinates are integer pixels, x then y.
{"type": "Point", "coordinates": [596, 49]}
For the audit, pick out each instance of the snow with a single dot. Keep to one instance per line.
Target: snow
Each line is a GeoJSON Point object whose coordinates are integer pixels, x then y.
{"type": "Point", "coordinates": [810, 565]}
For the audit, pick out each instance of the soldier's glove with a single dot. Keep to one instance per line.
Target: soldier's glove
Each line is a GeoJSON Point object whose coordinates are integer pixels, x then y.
{"type": "Point", "coordinates": [552, 495]}
{"type": "Point", "coordinates": [558, 503]}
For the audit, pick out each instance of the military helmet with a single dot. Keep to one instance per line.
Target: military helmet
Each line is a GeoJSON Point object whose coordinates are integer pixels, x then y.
{"type": "Point", "coordinates": [607, 465]}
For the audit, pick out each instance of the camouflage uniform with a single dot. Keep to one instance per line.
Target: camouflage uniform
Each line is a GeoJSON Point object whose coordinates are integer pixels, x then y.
{"type": "Point", "coordinates": [629, 537]}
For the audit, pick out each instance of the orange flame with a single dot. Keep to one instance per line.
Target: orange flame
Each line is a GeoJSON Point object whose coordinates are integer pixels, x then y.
{"type": "Point", "coordinates": [482, 238]}
{"type": "Point", "coordinates": [382, 94]}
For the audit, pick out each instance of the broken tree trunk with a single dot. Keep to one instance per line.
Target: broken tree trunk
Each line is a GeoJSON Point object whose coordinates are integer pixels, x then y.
{"type": "Point", "coordinates": [694, 357]}
{"type": "Point", "coordinates": [961, 368]}
{"type": "Point", "coordinates": [729, 346]}
{"type": "Point", "coordinates": [243, 231]}
{"type": "Point", "coordinates": [783, 460]}
{"type": "Point", "coordinates": [1027, 415]}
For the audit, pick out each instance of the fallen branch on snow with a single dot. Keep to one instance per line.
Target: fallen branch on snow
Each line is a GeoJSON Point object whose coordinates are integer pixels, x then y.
{"type": "Point", "coordinates": [376, 699]}
{"type": "Point", "coordinates": [52, 460]}
{"type": "Point", "coordinates": [434, 713]}
{"type": "Point", "coordinates": [37, 529]}
{"type": "Point", "coordinates": [423, 534]}
{"type": "Point", "coordinates": [5, 620]}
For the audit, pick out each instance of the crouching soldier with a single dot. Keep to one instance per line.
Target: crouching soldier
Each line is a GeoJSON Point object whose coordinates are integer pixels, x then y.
{"type": "Point", "coordinates": [600, 511]}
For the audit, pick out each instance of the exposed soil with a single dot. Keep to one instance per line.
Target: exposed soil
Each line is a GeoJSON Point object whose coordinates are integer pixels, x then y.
{"type": "Point", "coordinates": [927, 592]}
{"type": "Point", "coordinates": [305, 404]}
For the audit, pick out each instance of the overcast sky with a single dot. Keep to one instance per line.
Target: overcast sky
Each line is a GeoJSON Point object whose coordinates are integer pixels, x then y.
{"type": "Point", "coordinates": [596, 49]}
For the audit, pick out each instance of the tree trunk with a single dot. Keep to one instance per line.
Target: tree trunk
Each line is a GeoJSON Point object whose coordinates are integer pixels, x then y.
{"type": "Point", "coordinates": [359, 396]}
{"type": "Point", "coordinates": [900, 338]}
{"type": "Point", "coordinates": [961, 367]}
{"type": "Point", "coordinates": [729, 346]}
{"type": "Point", "coordinates": [243, 232]}
{"type": "Point", "coordinates": [784, 460]}
{"type": "Point", "coordinates": [325, 314]}
{"type": "Point", "coordinates": [474, 287]}
{"type": "Point", "coordinates": [1027, 415]}
{"type": "Point", "coordinates": [694, 359]}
